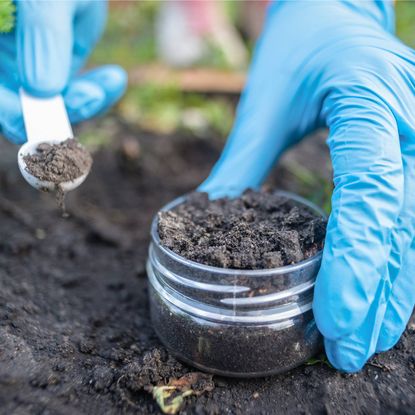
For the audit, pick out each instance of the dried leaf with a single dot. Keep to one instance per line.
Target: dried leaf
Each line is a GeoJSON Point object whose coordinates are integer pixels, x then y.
{"type": "Point", "coordinates": [170, 397]}
{"type": "Point", "coordinates": [169, 405]}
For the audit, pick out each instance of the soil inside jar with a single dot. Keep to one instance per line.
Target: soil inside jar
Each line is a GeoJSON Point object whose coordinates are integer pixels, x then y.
{"type": "Point", "coordinates": [58, 163]}
{"type": "Point", "coordinates": [258, 230]}
{"type": "Point", "coordinates": [247, 350]}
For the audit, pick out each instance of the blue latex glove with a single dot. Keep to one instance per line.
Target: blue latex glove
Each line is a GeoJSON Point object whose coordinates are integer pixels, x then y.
{"type": "Point", "coordinates": [337, 64]}
{"type": "Point", "coordinates": [44, 53]}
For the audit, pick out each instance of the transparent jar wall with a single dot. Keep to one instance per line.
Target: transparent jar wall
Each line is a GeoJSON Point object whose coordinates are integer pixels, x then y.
{"type": "Point", "coordinates": [231, 349]}
{"type": "Point", "coordinates": [233, 322]}
{"type": "Point", "coordinates": [228, 288]}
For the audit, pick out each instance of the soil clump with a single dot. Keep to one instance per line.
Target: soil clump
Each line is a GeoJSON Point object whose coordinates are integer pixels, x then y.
{"type": "Point", "coordinates": [261, 229]}
{"type": "Point", "coordinates": [58, 163]}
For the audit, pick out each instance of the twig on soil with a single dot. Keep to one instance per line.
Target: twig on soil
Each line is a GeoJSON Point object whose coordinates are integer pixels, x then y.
{"type": "Point", "coordinates": [379, 366]}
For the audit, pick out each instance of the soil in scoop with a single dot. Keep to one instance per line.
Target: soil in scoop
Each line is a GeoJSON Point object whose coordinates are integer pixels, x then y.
{"type": "Point", "coordinates": [261, 229]}
{"type": "Point", "coordinates": [59, 163]}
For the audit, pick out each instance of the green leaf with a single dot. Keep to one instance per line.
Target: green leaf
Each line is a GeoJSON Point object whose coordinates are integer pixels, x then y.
{"type": "Point", "coordinates": [7, 11]}
{"type": "Point", "coordinates": [322, 359]}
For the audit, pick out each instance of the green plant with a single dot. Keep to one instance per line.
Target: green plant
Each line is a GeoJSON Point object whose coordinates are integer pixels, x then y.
{"type": "Point", "coordinates": [7, 11]}
{"type": "Point", "coordinates": [405, 17]}
{"type": "Point", "coordinates": [165, 109]}
{"type": "Point", "coordinates": [129, 38]}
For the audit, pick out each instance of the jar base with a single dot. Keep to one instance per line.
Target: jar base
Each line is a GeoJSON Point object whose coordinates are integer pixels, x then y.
{"type": "Point", "coordinates": [228, 374]}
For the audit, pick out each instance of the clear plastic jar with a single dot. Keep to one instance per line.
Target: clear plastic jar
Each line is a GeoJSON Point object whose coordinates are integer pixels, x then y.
{"type": "Point", "coordinates": [240, 323]}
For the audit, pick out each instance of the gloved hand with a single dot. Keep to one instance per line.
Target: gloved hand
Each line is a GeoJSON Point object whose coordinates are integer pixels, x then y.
{"type": "Point", "coordinates": [50, 43]}
{"type": "Point", "coordinates": [337, 64]}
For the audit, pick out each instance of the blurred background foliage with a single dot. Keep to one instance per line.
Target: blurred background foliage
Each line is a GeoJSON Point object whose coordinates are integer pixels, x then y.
{"type": "Point", "coordinates": [163, 107]}
{"type": "Point", "coordinates": [129, 40]}
{"type": "Point", "coordinates": [7, 11]}
{"type": "Point", "coordinates": [405, 21]}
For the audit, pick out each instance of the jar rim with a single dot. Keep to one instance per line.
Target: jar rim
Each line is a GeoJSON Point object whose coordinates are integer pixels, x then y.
{"type": "Point", "coordinates": [235, 271]}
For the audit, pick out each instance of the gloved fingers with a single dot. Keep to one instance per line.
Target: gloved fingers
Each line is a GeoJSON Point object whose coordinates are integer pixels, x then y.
{"type": "Point", "coordinates": [8, 60]}
{"type": "Point", "coordinates": [44, 38]}
{"type": "Point", "coordinates": [366, 201]}
{"type": "Point", "coordinates": [273, 112]}
{"type": "Point", "coordinates": [393, 304]}
{"type": "Point", "coordinates": [89, 23]}
{"type": "Point", "coordinates": [400, 305]}
{"type": "Point", "coordinates": [402, 258]}
{"type": "Point", "coordinates": [113, 80]}
{"type": "Point", "coordinates": [94, 92]}
{"type": "Point", "coordinates": [86, 96]}
{"type": "Point", "coordinates": [350, 352]}
{"type": "Point", "coordinates": [244, 162]}
{"type": "Point", "coordinates": [11, 119]}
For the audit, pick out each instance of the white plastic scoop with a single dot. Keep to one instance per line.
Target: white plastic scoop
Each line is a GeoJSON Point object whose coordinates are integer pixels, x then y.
{"type": "Point", "coordinates": [46, 121]}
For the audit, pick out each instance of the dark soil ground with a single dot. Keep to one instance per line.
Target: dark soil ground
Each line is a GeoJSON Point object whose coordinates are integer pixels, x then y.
{"type": "Point", "coordinates": [75, 334]}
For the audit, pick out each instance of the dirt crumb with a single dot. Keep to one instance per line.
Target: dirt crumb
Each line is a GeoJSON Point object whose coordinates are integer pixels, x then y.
{"type": "Point", "coordinates": [260, 229]}
{"type": "Point", "coordinates": [156, 366]}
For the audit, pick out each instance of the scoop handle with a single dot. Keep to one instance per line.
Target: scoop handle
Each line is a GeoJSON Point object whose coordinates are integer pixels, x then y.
{"type": "Point", "coordinates": [45, 118]}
